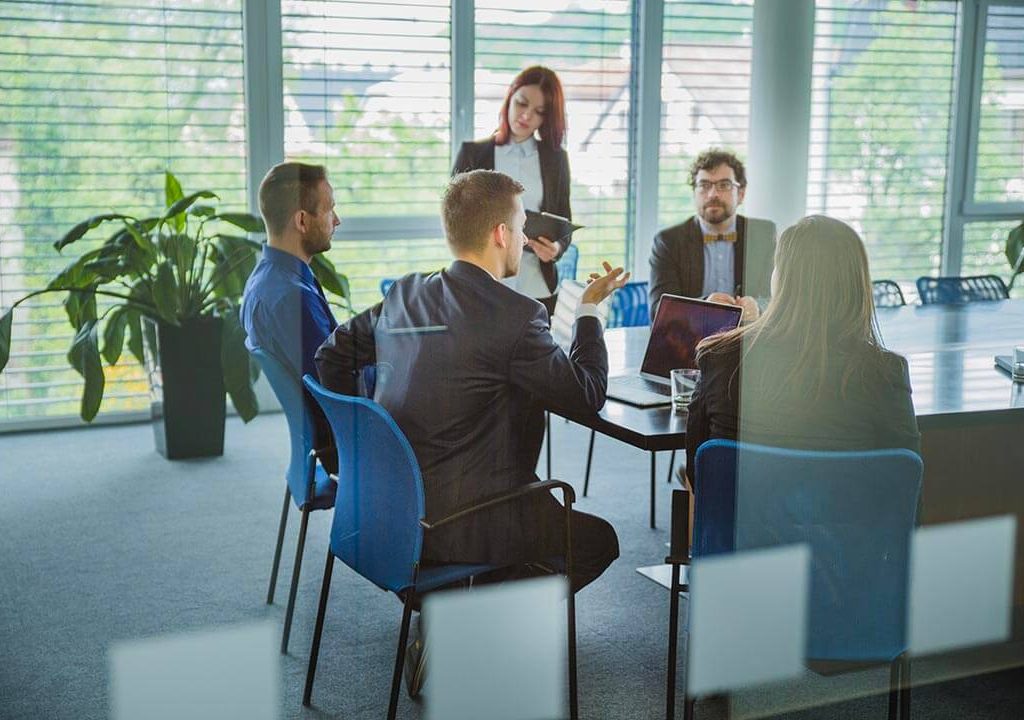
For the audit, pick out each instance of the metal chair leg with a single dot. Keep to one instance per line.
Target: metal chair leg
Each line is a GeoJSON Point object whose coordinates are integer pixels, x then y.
{"type": "Point", "coordinates": [547, 430]}
{"type": "Point", "coordinates": [671, 467]}
{"type": "Point", "coordinates": [296, 569]}
{"type": "Point", "coordinates": [688, 707]}
{"type": "Point", "coordinates": [314, 652]}
{"type": "Point", "coordinates": [673, 644]}
{"type": "Point", "coordinates": [396, 677]}
{"type": "Point", "coordinates": [590, 456]}
{"type": "Point", "coordinates": [894, 688]}
{"type": "Point", "coordinates": [574, 701]}
{"type": "Point", "coordinates": [905, 685]}
{"type": "Point", "coordinates": [280, 542]}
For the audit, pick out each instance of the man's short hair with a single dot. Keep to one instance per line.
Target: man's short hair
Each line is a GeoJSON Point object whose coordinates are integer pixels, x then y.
{"type": "Point", "coordinates": [474, 203]}
{"type": "Point", "coordinates": [287, 188]}
{"type": "Point", "coordinates": [710, 159]}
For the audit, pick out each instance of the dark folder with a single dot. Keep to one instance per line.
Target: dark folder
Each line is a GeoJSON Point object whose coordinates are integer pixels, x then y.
{"type": "Point", "coordinates": [553, 227]}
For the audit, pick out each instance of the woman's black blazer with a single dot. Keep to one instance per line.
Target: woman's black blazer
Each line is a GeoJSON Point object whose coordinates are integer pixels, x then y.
{"type": "Point", "coordinates": [554, 174]}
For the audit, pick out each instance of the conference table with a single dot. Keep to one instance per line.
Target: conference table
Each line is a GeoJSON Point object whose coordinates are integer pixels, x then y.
{"type": "Point", "coordinates": [971, 415]}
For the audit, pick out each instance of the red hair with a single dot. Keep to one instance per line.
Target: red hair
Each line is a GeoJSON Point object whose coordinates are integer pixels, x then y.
{"type": "Point", "coordinates": [552, 130]}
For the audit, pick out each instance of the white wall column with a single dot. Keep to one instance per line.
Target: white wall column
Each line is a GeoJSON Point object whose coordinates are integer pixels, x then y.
{"type": "Point", "coordinates": [264, 91]}
{"type": "Point", "coordinates": [780, 110]}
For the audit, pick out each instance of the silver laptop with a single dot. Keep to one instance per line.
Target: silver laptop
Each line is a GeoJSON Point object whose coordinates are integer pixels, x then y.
{"type": "Point", "coordinates": [680, 324]}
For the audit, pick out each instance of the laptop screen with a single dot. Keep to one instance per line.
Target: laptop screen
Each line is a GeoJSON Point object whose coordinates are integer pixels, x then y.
{"type": "Point", "coordinates": [680, 324]}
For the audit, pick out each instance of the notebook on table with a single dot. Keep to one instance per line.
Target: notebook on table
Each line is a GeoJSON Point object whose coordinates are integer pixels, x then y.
{"type": "Point", "coordinates": [679, 325]}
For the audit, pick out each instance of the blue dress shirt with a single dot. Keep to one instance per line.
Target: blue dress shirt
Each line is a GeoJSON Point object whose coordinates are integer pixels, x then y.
{"type": "Point", "coordinates": [284, 311]}
{"type": "Point", "coordinates": [719, 262]}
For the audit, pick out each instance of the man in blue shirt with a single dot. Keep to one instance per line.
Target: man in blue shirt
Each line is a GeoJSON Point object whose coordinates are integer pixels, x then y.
{"type": "Point", "coordinates": [284, 310]}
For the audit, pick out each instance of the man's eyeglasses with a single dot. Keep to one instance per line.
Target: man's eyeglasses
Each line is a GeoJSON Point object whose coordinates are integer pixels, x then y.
{"type": "Point", "coordinates": [722, 186]}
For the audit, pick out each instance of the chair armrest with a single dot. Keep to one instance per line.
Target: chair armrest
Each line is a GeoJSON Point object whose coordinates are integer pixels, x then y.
{"type": "Point", "coordinates": [568, 495]}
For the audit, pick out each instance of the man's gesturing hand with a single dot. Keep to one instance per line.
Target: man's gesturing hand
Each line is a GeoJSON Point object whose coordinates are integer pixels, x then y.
{"type": "Point", "coordinates": [601, 286]}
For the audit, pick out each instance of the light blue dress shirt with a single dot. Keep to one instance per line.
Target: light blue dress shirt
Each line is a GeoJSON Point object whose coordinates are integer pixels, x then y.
{"type": "Point", "coordinates": [719, 262]}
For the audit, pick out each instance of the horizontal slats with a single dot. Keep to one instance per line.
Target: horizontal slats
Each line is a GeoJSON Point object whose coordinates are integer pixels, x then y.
{"type": "Point", "coordinates": [882, 90]}
{"type": "Point", "coordinates": [97, 99]}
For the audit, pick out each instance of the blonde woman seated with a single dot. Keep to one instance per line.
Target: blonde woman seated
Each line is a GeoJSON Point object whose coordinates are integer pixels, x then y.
{"type": "Point", "coordinates": [811, 372]}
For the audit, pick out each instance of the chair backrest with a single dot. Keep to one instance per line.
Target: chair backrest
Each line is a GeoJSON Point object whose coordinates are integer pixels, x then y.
{"type": "Point", "coordinates": [376, 529]}
{"type": "Point", "coordinates": [855, 510]}
{"type": "Point", "coordinates": [385, 285]}
{"type": "Point", "coordinates": [964, 289]}
{"type": "Point", "coordinates": [566, 264]}
{"type": "Point", "coordinates": [887, 294]}
{"type": "Point", "coordinates": [629, 306]}
{"type": "Point", "coordinates": [297, 412]}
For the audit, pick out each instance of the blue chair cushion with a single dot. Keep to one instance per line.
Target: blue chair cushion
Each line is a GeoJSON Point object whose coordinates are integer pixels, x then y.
{"type": "Point", "coordinates": [324, 491]}
{"type": "Point", "coordinates": [434, 576]}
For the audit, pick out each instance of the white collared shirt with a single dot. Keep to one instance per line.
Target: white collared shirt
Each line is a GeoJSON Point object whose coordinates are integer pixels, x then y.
{"type": "Point", "coordinates": [521, 162]}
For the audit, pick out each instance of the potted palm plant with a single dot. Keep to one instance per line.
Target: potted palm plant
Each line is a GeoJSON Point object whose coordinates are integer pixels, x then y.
{"type": "Point", "coordinates": [170, 287]}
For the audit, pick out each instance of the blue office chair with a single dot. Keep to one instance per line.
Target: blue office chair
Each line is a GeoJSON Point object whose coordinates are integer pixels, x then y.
{"type": "Point", "coordinates": [887, 294]}
{"type": "Point", "coordinates": [855, 510]}
{"type": "Point", "coordinates": [385, 285]}
{"type": "Point", "coordinates": [628, 309]}
{"type": "Point", "coordinates": [629, 306]}
{"type": "Point", "coordinates": [379, 521]}
{"type": "Point", "coordinates": [566, 265]}
{"type": "Point", "coordinates": [965, 289]}
{"type": "Point", "coordinates": [307, 484]}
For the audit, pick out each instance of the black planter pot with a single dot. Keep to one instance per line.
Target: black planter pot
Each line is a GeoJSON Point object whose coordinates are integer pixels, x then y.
{"type": "Point", "coordinates": [186, 387]}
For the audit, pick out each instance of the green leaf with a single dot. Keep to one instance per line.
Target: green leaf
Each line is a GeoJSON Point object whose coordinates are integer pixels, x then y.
{"type": "Point", "coordinates": [235, 363]}
{"type": "Point", "coordinates": [5, 337]}
{"type": "Point", "coordinates": [80, 306]}
{"type": "Point", "coordinates": [202, 211]}
{"type": "Point", "coordinates": [85, 226]}
{"type": "Point", "coordinates": [84, 356]}
{"type": "Point", "coordinates": [185, 203]}
{"type": "Point", "coordinates": [165, 293]}
{"type": "Point", "coordinates": [331, 280]}
{"type": "Point", "coordinates": [172, 189]}
{"type": "Point", "coordinates": [245, 221]}
{"type": "Point", "coordinates": [233, 262]}
{"type": "Point", "coordinates": [113, 335]}
{"type": "Point", "coordinates": [135, 336]}
{"type": "Point", "coordinates": [1015, 248]}
{"type": "Point", "coordinates": [77, 274]}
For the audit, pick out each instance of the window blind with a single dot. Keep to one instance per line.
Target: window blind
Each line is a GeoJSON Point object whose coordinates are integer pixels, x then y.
{"type": "Point", "coordinates": [1000, 157]}
{"type": "Point", "coordinates": [883, 82]}
{"type": "Point", "coordinates": [705, 92]}
{"type": "Point", "coordinates": [367, 93]}
{"type": "Point", "coordinates": [588, 45]}
{"type": "Point", "coordinates": [96, 100]}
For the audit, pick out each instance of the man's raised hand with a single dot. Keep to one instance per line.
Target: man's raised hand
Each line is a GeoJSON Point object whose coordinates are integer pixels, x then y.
{"type": "Point", "coordinates": [601, 286]}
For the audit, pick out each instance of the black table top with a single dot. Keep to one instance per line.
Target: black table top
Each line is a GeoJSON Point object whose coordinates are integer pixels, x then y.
{"type": "Point", "coordinates": [950, 350]}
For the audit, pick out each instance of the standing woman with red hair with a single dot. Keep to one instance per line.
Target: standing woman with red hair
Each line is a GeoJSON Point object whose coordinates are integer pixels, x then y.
{"type": "Point", "coordinates": [528, 147]}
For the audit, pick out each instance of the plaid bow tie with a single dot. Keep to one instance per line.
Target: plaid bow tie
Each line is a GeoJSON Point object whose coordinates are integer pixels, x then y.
{"type": "Point", "coordinates": [721, 237]}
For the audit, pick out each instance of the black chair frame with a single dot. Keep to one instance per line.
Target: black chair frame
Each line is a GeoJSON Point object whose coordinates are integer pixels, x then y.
{"type": "Point", "coordinates": [315, 455]}
{"type": "Point", "coordinates": [542, 486]}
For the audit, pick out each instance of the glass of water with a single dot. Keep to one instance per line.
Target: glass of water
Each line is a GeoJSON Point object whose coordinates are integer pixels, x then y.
{"type": "Point", "coordinates": [684, 380]}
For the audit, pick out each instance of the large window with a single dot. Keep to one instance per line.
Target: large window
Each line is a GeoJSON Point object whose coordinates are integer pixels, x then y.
{"type": "Point", "coordinates": [705, 92]}
{"type": "Point", "coordinates": [883, 83]}
{"type": "Point", "coordinates": [367, 93]}
{"type": "Point", "coordinates": [96, 100]}
{"type": "Point", "coordinates": [588, 45]}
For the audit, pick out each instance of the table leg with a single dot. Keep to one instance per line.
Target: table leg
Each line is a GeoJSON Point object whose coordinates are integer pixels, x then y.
{"type": "Point", "coordinates": [654, 469]}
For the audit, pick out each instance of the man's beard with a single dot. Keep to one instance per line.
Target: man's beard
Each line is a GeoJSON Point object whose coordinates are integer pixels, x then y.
{"type": "Point", "coordinates": [314, 244]}
{"type": "Point", "coordinates": [721, 211]}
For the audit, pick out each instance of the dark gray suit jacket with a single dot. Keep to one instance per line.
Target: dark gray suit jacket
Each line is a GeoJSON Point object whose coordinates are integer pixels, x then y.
{"type": "Point", "coordinates": [463, 365]}
{"type": "Point", "coordinates": [677, 260]}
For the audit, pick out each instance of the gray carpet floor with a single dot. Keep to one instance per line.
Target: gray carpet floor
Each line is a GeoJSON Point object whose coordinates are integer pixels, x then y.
{"type": "Point", "coordinates": [102, 540]}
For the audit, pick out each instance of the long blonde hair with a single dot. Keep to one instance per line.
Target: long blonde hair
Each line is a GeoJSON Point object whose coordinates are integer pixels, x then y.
{"type": "Point", "coordinates": [821, 302]}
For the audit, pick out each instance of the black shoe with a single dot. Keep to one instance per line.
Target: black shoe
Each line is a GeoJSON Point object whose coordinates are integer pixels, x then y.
{"type": "Point", "coordinates": [415, 664]}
